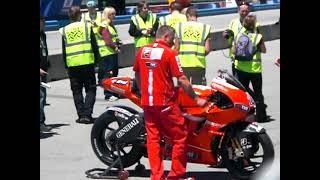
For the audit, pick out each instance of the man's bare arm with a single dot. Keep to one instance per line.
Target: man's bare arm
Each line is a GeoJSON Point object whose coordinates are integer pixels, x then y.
{"type": "Point", "coordinates": [176, 44]}
{"type": "Point", "coordinates": [42, 72]}
{"type": "Point", "coordinates": [185, 84]}
{"type": "Point", "coordinates": [208, 48]}
{"type": "Point", "coordinates": [262, 46]}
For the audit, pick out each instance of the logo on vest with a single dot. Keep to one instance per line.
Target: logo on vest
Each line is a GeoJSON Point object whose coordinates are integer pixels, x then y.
{"type": "Point", "coordinates": [75, 34]}
{"type": "Point", "coordinates": [191, 32]}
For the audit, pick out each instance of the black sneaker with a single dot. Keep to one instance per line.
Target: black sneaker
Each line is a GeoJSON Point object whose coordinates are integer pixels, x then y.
{"type": "Point", "coordinates": [84, 120]}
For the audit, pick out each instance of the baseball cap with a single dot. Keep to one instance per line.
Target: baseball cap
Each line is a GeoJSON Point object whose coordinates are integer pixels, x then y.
{"type": "Point", "coordinates": [91, 4]}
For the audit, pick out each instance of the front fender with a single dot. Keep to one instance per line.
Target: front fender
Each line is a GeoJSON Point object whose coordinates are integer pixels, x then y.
{"type": "Point", "coordinates": [254, 128]}
{"type": "Point", "coordinates": [123, 112]}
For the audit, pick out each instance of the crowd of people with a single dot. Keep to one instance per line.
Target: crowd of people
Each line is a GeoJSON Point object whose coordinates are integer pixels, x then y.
{"type": "Point", "coordinates": [179, 41]}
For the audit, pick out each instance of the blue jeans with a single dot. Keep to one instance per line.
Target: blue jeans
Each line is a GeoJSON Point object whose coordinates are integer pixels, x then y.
{"type": "Point", "coordinates": [108, 67]}
{"type": "Point", "coordinates": [42, 115]}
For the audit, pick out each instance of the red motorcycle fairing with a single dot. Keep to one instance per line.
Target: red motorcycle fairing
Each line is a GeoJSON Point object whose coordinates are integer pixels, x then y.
{"type": "Point", "coordinates": [122, 86]}
{"type": "Point", "coordinates": [211, 119]}
{"type": "Point", "coordinates": [221, 134]}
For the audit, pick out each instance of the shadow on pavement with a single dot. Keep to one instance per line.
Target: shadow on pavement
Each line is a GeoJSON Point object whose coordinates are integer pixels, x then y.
{"type": "Point", "coordinates": [56, 126]}
{"type": "Point", "coordinates": [197, 175]}
{"type": "Point", "coordinates": [269, 119]}
{"type": "Point", "coordinates": [47, 135]}
{"type": "Point", "coordinates": [209, 175]}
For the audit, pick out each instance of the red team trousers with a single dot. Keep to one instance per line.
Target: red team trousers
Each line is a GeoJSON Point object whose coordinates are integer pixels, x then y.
{"type": "Point", "coordinates": [168, 121]}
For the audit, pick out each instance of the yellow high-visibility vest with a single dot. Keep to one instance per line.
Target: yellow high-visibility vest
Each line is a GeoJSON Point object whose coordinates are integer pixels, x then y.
{"type": "Point", "coordinates": [140, 24]}
{"type": "Point", "coordinates": [87, 19]}
{"type": "Point", "coordinates": [77, 44]}
{"type": "Point", "coordinates": [192, 37]}
{"type": "Point", "coordinates": [103, 49]}
{"type": "Point", "coordinates": [172, 19]}
{"type": "Point", "coordinates": [253, 66]}
{"type": "Point", "coordinates": [235, 26]}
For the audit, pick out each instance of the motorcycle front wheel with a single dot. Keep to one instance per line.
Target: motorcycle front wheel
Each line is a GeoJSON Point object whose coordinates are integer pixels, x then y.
{"type": "Point", "coordinates": [101, 130]}
{"type": "Point", "coordinates": [242, 167]}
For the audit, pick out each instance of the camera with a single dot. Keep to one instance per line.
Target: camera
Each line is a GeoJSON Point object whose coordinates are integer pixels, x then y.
{"type": "Point", "coordinates": [229, 33]}
{"type": "Point", "coordinates": [119, 43]}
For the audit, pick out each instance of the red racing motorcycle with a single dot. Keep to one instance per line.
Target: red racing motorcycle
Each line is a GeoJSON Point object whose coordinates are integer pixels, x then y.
{"type": "Point", "coordinates": [223, 131]}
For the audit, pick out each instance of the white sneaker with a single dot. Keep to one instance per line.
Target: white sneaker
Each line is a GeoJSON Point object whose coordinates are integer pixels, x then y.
{"type": "Point", "coordinates": [113, 98]}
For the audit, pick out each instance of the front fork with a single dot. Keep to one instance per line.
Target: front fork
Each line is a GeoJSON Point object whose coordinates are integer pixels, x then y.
{"type": "Point", "coordinates": [237, 148]}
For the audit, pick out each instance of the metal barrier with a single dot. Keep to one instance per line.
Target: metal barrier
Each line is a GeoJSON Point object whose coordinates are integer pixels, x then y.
{"type": "Point", "coordinates": [126, 57]}
{"type": "Point", "coordinates": [124, 19]}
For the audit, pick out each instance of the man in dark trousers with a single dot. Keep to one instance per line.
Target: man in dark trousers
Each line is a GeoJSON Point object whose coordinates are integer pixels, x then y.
{"type": "Point", "coordinates": [44, 62]}
{"type": "Point", "coordinates": [79, 52]}
{"type": "Point", "coordinates": [193, 45]}
{"type": "Point", "coordinates": [44, 66]}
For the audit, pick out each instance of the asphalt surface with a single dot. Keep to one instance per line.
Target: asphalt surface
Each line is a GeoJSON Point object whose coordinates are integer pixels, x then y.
{"type": "Point", "coordinates": [217, 22]}
{"type": "Point", "coordinates": [66, 153]}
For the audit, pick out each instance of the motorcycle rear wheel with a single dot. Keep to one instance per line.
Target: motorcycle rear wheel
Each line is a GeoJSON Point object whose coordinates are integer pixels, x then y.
{"type": "Point", "coordinates": [244, 168]}
{"type": "Point", "coordinates": [102, 128]}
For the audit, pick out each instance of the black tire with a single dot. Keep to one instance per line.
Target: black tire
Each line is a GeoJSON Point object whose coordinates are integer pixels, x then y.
{"type": "Point", "coordinates": [233, 166]}
{"type": "Point", "coordinates": [103, 150]}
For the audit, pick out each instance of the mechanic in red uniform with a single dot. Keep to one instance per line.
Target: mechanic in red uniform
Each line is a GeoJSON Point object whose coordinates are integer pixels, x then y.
{"type": "Point", "coordinates": [154, 67]}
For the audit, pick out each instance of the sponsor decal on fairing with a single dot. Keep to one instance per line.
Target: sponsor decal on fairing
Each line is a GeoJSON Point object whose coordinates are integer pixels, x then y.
{"type": "Point", "coordinates": [119, 81]}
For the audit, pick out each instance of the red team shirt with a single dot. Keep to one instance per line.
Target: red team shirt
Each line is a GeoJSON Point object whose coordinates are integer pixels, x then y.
{"type": "Point", "coordinates": [157, 64]}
